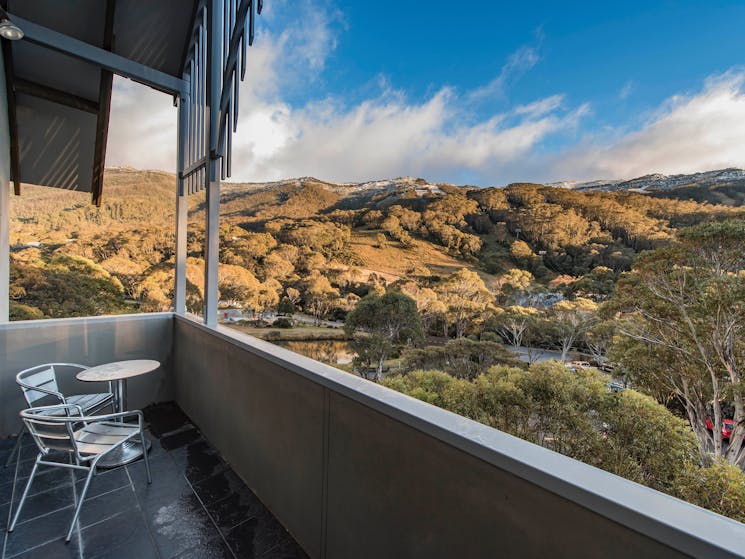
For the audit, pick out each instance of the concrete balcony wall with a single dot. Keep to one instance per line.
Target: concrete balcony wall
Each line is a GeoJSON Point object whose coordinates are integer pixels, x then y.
{"type": "Point", "coordinates": [87, 341]}
{"type": "Point", "coordinates": [353, 469]}
{"type": "Point", "coordinates": [266, 420]}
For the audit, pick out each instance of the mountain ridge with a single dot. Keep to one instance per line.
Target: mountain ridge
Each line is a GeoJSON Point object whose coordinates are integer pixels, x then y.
{"type": "Point", "coordinates": [653, 182]}
{"type": "Point", "coordinates": [650, 183]}
{"type": "Point", "coordinates": [659, 181]}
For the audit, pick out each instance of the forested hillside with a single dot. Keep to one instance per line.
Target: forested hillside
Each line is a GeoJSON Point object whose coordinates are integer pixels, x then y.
{"type": "Point", "coordinates": [322, 246]}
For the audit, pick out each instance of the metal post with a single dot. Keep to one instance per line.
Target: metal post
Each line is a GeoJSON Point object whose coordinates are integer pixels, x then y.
{"type": "Point", "coordinates": [182, 216]}
{"type": "Point", "coordinates": [212, 244]}
{"type": "Point", "coordinates": [212, 233]}
{"type": "Point", "coordinates": [4, 201]}
{"type": "Point", "coordinates": [4, 243]}
{"type": "Point", "coordinates": [182, 212]}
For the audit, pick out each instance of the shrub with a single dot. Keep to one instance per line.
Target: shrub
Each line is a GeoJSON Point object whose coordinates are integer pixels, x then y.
{"type": "Point", "coordinates": [283, 322]}
{"type": "Point", "coordinates": [719, 487]}
{"type": "Point", "coordinates": [461, 358]}
{"type": "Point", "coordinates": [19, 311]}
{"type": "Point", "coordinates": [628, 434]}
{"type": "Point", "coordinates": [338, 315]}
{"type": "Point", "coordinates": [286, 307]}
{"type": "Point", "coordinates": [273, 335]}
{"type": "Point", "coordinates": [490, 337]}
{"type": "Point", "coordinates": [646, 442]}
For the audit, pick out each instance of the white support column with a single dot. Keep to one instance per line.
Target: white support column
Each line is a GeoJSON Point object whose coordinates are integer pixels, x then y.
{"type": "Point", "coordinates": [182, 217]}
{"type": "Point", "coordinates": [212, 227]}
{"type": "Point", "coordinates": [212, 244]}
{"type": "Point", "coordinates": [4, 201]}
{"type": "Point", "coordinates": [182, 212]}
{"type": "Point", "coordinates": [4, 240]}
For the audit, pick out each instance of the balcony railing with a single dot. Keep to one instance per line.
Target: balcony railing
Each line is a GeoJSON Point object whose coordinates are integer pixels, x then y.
{"type": "Point", "coordinates": [353, 469]}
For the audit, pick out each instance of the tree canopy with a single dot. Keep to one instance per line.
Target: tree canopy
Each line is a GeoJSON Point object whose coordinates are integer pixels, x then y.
{"type": "Point", "coordinates": [574, 413]}
{"type": "Point", "coordinates": [684, 305]}
{"type": "Point", "coordinates": [386, 321]}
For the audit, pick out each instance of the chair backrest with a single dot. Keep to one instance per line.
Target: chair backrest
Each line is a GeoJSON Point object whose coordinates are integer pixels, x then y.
{"type": "Point", "coordinates": [52, 427]}
{"type": "Point", "coordinates": [41, 376]}
{"type": "Point", "coordinates": [39, 383]}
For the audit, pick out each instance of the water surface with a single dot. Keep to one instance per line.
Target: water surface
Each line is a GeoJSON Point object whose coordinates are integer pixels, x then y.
{"type": "Point", "coordinates": [336, 352]}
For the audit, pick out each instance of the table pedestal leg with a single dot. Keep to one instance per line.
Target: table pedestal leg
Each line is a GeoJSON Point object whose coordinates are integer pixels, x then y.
{"type": "Point", "coordinates": [131, 450]}
{"type": "Point", "coordinates": [119, 396]}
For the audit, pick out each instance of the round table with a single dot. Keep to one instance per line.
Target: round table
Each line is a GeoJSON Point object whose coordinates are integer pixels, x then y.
{"type": "Point", "coordinates": [118, 373]}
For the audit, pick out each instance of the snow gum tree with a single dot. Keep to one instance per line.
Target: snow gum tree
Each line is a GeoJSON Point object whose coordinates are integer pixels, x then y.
{"type": "Point", "coordinates": [384, 321]}
{"type": "Point", "coordinates": [683, 330]}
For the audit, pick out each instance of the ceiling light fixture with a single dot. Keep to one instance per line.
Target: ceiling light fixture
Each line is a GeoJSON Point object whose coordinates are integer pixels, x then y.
{"type": "Point", "coordinates": [8, 29]}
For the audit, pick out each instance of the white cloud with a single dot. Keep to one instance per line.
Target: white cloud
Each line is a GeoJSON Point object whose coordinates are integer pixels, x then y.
{"type": "Point", "coordinates": [688, 133]}
{"type": "Point", "coordinates": [386, 134]}
{"type": "Point", "coordinates": [389, 136]}
{"type": "Point", "coordinates": [626, 90]}
{"type": "Point", "coordinates": [438, 137]}
{"type": "Point", "coordinates": [142, 128]}
{"type": "Point", "coordinates": [541, 107]}
{"type": "Point", "coordinates": [519, 62]}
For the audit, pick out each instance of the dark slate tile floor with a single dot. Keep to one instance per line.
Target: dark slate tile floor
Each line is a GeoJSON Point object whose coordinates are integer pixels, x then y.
{"type": "Point", "coordinates": [196, 507]}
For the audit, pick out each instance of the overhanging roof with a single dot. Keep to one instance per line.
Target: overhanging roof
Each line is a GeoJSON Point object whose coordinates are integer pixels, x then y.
{"type": "Point", "coordinates": [59, 103]}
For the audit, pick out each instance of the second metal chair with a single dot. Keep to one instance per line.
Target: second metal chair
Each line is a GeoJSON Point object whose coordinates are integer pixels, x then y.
{"type": "Point", "coordinates": [40, 387]}
{"type": "Point", "coordinates": [86, 440]}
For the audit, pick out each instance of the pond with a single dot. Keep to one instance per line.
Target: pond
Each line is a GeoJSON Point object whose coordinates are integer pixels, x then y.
{"type": "Point", "coordinates": [336, 352]}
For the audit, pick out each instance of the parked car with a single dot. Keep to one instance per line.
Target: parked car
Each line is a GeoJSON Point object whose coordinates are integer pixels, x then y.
{"type": "Point", "coordinates": [727, 426]}
{"type": "Point", "coordinates": [616, 385]}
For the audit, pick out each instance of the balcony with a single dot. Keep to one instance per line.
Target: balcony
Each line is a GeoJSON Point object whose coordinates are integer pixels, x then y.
{"type": "Point", "coordinates": [347, 467]}
{"type": "Point", "coordinates": [199, 507]}
{"type": "Point", "coordinates": [259, 452]}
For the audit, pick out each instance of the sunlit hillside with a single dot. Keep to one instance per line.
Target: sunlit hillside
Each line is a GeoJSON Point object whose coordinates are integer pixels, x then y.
{"type": "Point", "coordinates": [349, 237]}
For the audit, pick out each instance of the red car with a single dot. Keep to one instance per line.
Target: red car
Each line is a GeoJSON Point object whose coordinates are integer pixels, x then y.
{"type": "Point", "coordinates": [727, 425]}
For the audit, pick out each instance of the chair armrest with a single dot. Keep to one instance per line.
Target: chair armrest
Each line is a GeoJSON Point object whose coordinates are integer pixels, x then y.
{"type": "Point", "coordinates": [37, 412]}
{"type": "Point", "coordinates": [77, 365]}
{"type": "Point", "coordinates": [118, 415]}
{"type": "Point", "coordinates": [58, 395]}
{"type": "Point", "coordinates": [73, 365]}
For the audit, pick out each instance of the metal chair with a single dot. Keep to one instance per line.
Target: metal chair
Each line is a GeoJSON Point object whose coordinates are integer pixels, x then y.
{"type": "Point", "coordinates": [39, 386]}
{"type": "Point", "coordinates": [85, 439]}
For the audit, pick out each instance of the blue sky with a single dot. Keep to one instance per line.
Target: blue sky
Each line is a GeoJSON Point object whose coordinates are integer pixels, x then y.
{"type": "Point", "coordinates": [588, 51]}
{"type": "Point", "coordinates": [477, 92]}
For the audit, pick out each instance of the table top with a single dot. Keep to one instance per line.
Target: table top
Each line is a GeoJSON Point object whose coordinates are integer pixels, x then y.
{"type": "Point", "coordinates": [118, 370]}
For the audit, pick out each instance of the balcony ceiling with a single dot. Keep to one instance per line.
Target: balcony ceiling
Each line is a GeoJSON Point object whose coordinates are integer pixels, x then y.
{"type": "Point", "coordinates": [61, 102]}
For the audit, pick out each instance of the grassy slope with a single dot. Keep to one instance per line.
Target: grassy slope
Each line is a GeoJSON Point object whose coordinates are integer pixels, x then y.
{"type": "Point", "coordinates": [394, 259]}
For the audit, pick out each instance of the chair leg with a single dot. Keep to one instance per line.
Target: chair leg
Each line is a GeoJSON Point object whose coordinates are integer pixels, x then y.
{"type": "Point", "coordinates": [13, 489]}
{"type": "Point", "coordinates": [25, 493]}
{"type": "Point", "coordinates": [88, 479]}
{"type": "Point", "coordinates": [17, 446]}
{"type": "Point", "coordinates": [144, 454]}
